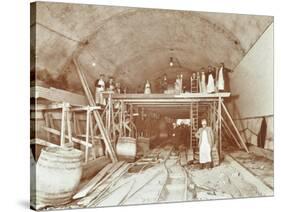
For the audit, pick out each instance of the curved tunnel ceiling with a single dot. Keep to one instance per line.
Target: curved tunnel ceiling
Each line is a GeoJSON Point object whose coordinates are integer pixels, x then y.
{"type": "Point", "coordinates": [135, 44]}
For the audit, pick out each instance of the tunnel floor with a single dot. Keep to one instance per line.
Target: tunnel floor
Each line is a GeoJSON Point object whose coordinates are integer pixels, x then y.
{"type": "Point", "coordinates": [166, 180]}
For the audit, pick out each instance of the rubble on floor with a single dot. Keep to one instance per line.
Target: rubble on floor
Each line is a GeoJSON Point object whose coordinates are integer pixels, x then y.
{"type": "Point", "coordinates": [161, 176]}
{"type": "Point", "coordinates": [260, 166]}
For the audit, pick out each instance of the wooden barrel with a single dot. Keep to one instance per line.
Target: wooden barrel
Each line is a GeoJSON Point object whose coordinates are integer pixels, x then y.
{"type": "Point", "coordinates": [126, 149]}
{"type": "Point", "coordinates": [58, 173]}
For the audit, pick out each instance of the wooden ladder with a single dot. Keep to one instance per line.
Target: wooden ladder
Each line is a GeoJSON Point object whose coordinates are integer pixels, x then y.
{"type": "Point", "coordinates": [194, 124]}
{"type": "Point", "coordinates": [194, 83]}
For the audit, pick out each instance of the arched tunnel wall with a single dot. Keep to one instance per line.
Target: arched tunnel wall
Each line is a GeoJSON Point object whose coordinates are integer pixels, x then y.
{"type": "Point", "coordinates": [252, 88]}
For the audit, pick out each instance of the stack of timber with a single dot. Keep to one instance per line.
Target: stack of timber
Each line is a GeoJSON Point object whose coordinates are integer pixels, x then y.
{"type": "Point", "coordinates": [114, 185]}
{"type": "Point", "coordinates": [149, 183]}
{"type": "Point", "coordinates": [92, 167]}
{"type": "Point", "coordinates": [147, 187]}
{"type": "Point", "coordinates": [95, 188]}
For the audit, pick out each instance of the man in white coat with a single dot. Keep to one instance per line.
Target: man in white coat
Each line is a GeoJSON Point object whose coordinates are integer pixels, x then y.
{"type": "Point", "coordinates": [100, 87]}
{"type": "Point", "coordinates": [206, 141]}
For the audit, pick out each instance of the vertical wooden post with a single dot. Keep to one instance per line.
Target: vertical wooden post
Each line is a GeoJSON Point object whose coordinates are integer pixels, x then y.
{"type": "Point", "coordinates": [219, 128]}
{"type": "Point", "coordinates": [112, 118]}
{"type": "Point", "coordinates": [52, 125]}
{"type": "Point", "coordinates": [191, 127]}
{"type": "Point", "coordinates": [62, 136]}
{"type": "Point", "coordinates": [214, 115]}
{"type": "Point", "coordinates": [210, 115]}
{"type": "Point", "coordinates": [109, 114]}
{"type": "Point", "coordinates": [47, 122]}
{"type": "Point", "coordinates": [74, 124]}
{"type": "Point", "coordinates": [121, 119]}
{"type": "Point", "coordinates": [92, 136]}
{"type": "Point", "coordinates": [69, 130]}
{"type": "Point", "coordinates": [131, 120]}
{"type": "Point", "coordinates": [87, 134]}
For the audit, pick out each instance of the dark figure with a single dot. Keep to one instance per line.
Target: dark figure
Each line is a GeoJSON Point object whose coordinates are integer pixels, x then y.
{"type": "Point", "coordinates": [175, 134]}
{"type": "Point", "coordinates": [182, 134]}
{"type": "Point", "coordinates": [262, 134]}
{"type": "Point", "coordinates": [187, 137]}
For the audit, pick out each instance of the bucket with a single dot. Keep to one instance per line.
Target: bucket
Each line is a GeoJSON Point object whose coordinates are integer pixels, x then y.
{"type": "Point", "coordinates": [58, 173]}
{"type": "Point", "coordinates": [126, 149]}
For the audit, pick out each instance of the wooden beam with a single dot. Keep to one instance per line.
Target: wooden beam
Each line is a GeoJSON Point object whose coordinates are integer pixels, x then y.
{"type": "Point", "coordinates": [231, 133]}
{"type": "Point", "coordinates": [87, 135]}
{"type": "Point", "coordinates": [47, 123]}
{"type": "Point", "coordinates": [219, 127]}
{"type": "Point", "coordinates": [62, 135]}
{"type": "Point", "coordinates": [85, 108]}
{"type": "Point", "coordinates": [52, 125]}
{"type": "Point", "coordinates": [93, 189]}
{"type": "Point", "coordinates": [169, 96]}
{"type": "Point", "coordinates": [93, 167]}
{"type": "Point", "coordinates": [42, 142]}
{"type": "Point", "coordinates": [75, 127]}
{"type": "Point", "coordinates": [92, 136]}
{"type": "Point", "coordinates": [171, 100]}
{"type": "Point", "coordinates": [56, 115]}
{"type": "Point", "coordinates": [235, 128]}
{"type": "Point", "coordinates": [58, 95]}
{"type": "Point", "coordinates": [56, 132]}
{"type": "Point", "coordinates": [93, 182]}
{"type": "Point", "coordinates": [68, 122]}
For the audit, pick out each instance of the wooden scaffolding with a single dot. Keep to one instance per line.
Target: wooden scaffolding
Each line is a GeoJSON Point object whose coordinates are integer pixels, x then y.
{"type": "Point", "coordinates": [199, 105]}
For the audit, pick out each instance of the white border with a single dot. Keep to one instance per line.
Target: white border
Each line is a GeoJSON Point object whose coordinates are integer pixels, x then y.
{"type": "Point", "coordinates": [14, 117]}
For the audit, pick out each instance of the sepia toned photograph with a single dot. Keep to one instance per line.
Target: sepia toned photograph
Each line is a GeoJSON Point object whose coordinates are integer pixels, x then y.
{"type": "Point", "coordinates": [133, 106]}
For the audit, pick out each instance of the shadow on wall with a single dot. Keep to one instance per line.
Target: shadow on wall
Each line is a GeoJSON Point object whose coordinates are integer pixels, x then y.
{"type": "Point", "coordinates": [45, 78]}
{"type": "Point", "coordinates": [257, 131]}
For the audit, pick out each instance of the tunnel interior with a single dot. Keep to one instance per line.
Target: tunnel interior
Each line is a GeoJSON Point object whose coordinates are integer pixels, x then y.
{"type": "Point", "coordinates": [146, 120]}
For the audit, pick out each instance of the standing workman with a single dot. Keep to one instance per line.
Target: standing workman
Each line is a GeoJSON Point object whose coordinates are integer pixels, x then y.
{"type": "Point", "coordinates": [147, 89]}
{"type": "Point", "coordinates": [211, 81]}
{"type": "Point", "coordinates": [175, 134]}
{"type": "Point", "coordinates": [206, 141]}
{"type": "Point", "coordinates": [110, 84]}
{"type": "Point", "coordinates": [222, 78]}
{"type": "Point", "coordinates": [100, 87]}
